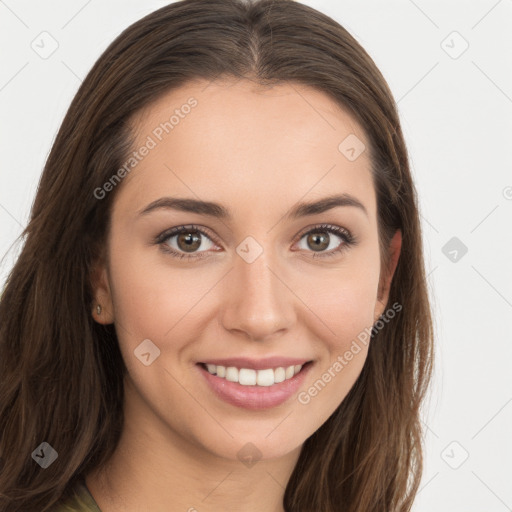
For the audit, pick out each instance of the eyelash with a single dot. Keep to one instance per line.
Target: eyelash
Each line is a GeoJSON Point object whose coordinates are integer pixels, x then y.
{"type": "Point", "coordinates": [348, 240]}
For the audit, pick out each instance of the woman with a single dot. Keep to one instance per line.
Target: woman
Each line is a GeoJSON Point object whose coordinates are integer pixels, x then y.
{"type": "Point", "coordinates": [221, 301]}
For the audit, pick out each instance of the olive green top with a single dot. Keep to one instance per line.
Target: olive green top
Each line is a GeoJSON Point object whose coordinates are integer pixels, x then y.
{"type": "Point", "coordinates": [81, 501]}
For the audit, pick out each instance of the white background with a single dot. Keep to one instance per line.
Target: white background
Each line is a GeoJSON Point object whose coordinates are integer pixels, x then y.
{"type": "Point", "coordinates": [457, 117]}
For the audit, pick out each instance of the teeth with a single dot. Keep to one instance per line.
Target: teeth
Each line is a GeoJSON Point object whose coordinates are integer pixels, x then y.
{"type": "Point", "coordinates": [265, 377]}
{"type": "Point", "coordinates": [247, 377]}
{"type": "Point", "coordinates": [232, 374]}
{"type": "Point", "coordinates": [279, 375]}
{"type": "Point", "coordinates": [250, 377]}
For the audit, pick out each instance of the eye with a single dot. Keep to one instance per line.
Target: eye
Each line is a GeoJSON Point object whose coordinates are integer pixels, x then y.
{"type": "Point", "coordinates": [188, 240]}
{"type": "Point", "coordinates": [318, 240]}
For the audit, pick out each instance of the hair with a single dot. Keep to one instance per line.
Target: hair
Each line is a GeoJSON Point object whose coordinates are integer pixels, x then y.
{"type": "Point", "coordinates": [62, 372]}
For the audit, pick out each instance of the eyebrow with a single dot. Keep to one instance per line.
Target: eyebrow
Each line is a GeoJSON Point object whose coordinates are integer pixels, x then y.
{"type": "Point", "coordinates": [218, 211]}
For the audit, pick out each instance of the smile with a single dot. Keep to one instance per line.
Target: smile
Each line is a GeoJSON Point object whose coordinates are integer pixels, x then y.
{"type": "Point", "coordinates": [251, 377]}
{"type": "Point", "coordinates": [250, 388]}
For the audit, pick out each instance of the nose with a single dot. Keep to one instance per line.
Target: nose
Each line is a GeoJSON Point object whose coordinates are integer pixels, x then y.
{"type": "Point", "coordinates": [257, 301]}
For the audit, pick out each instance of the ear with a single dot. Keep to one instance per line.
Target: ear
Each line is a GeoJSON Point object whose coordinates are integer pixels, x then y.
{"type": "Point", "coordinates": [102, 295]}
{"type": "Point", "coordinates": [385, 281]}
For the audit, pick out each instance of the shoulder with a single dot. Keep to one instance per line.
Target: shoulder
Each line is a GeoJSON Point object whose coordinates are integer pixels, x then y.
{"type": "Point", "coordinates": [80, 501]}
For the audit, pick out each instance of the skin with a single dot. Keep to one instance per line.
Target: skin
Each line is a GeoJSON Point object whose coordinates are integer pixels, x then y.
{"type": "Point", "coordinates": [257, 151]}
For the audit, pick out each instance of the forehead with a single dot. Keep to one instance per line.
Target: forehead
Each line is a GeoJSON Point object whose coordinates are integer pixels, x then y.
{"type": "Point", "coordinates": [242, 144]}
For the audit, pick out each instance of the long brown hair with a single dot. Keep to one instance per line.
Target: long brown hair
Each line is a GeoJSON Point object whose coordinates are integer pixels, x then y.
{"type": "Point", "coordinates": [62, 373]}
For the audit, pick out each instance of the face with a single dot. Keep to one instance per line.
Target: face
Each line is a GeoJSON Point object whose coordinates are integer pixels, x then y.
{"type": "Point", "coordinates": [250, 293]}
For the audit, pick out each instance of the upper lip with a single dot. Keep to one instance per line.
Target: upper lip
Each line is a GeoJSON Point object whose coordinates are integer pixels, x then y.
{"type": "Point", "coordinates": [258, 364]}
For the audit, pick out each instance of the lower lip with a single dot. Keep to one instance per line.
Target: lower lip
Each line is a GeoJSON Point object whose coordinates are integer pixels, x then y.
{"type": "Point", "coordinates": [255, 397]}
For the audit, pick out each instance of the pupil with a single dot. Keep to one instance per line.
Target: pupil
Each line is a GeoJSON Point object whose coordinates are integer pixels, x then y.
{"type": "Point", "coordinates": [190, 240]}
{"type": "Point", "coordinates": [320, 241]}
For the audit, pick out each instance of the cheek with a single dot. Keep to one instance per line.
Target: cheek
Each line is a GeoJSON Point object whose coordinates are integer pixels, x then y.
{"type": "Point", "coordinates": [345, 306]}
{"type": "Point", "coordinates": [345, 301]}
{"type": "Point", "coordinates": [147, 301]}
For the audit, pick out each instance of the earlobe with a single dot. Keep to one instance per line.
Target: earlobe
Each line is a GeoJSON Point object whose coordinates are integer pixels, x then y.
{"type": "Point", "coordinates": [102, 310]}
{"type": "Point", "coordinates": [395, 247]}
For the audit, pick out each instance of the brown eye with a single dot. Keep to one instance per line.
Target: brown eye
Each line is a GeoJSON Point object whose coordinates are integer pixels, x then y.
{"type": "Point", "coordinates": [322, 240]}
{"type": "Point", "coordinates": [185, 242]}
{"type": "Point", "coordinates": [189, 242]}
{"type": "Point", "coordinates": [317, 240]}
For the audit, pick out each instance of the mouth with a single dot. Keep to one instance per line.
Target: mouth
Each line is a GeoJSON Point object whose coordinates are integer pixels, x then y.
{"type": "Point", "coordinates": [252, 377]}
{"type": "Point", "coordinates": [254, 388]}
